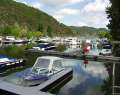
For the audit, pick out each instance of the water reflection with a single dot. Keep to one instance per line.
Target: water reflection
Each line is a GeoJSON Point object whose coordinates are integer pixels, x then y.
{"type": "Point", "coordinates": [86, 81]}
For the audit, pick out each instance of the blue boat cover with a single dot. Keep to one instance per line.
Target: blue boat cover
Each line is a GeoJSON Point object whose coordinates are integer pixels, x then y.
{"type": "Point", "coordinates": [28, 75]}
{"type": "Point", "coordinates": [9, 58]}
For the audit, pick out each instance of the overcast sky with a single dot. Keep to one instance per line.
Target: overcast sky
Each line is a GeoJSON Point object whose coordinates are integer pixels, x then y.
{"type": "Point", "coordinates": [74, 12]}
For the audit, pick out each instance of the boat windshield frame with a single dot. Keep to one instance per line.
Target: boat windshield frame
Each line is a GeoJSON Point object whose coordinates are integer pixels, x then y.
{"type": "Point", "coordinates": [39, 71]}
{"type": "Point", "coordinates": [41, 66]}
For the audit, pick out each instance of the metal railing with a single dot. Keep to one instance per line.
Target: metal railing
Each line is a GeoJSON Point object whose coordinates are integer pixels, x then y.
{"type": "Point", "coordinates": [114, 86]}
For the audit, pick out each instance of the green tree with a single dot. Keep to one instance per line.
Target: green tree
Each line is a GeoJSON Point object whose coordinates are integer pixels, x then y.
{"type": "Point", "coordinates": [49, 31]}
{"type": "Point", "coordinates": [61, 47]}
{"type": "Point", "coordinates": [32, 34]}
{"type": "Point", "coordinates": [114, 17]}
{"type": "Point", "coordinates": [7, 30]}
{"type": "Point", "coordinates": [11, 30]}
{"type": "Point", "coordinates": [1, 31]}
{"type": "Point", "coordinates": [15, 29]}
{"type": "Point", "coordinates": [40, 28]}
{"type": "Point", "coordinates": [105, 34]}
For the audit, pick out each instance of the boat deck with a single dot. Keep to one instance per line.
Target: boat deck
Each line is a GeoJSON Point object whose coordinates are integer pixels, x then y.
{"type": "Point", "coordinates": [41, 89]}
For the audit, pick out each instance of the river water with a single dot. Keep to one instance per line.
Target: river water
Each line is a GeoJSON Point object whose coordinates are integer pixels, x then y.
{"type": "Point", "coordinates": [86, 80]}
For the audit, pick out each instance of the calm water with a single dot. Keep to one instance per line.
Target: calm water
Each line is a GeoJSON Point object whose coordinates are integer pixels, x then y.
{"type": "Point", "coordinates": [89, 80]}
{"type": "Point", "coordinates": [85, 81]}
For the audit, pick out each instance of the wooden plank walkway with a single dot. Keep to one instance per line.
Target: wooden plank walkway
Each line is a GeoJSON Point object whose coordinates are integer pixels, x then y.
{"type": "Point", "coordinates": [18, 90]}
{"type": "Point", "coordinates": [36, 90]}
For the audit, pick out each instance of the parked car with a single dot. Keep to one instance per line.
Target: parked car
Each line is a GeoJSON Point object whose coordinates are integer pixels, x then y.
{"type": "Point", "coordinates": [106, 49]}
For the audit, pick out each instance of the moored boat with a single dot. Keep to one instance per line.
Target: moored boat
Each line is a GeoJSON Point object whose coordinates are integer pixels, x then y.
{"type": "Point", "coordinates": [45, 46]}
{"type": "Point", "coordinates": [44, 68]}
{"type": "Point", "coordinates": [9, 63]}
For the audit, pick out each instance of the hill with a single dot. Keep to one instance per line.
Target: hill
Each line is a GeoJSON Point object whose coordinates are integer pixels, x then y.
{"type": "Point", "coordinates": [87, 31]}
{"type": "Point", "coordinates": [29, 18]}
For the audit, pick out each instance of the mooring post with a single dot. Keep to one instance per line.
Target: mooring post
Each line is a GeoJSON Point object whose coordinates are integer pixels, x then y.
{"type": "Point", "coordinates": [113, 79]}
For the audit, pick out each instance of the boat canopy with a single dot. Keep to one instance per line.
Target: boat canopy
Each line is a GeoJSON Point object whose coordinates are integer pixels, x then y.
{"type": "Point", "coordinates": [46, 64]}
{"type": "Point", "coordinates": [4, 58]}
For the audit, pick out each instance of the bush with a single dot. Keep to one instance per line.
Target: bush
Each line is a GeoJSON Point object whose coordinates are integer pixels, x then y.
{"type": "Point", "coordinates": [61, 47]}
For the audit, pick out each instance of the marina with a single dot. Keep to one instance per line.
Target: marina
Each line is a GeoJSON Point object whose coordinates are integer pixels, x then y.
{"type": "Point", "coordinates": [59, 47]}
{"type": "Point", "coordinates": [20, 90]}
{"type": "Point", "coordinates": [69, 80]}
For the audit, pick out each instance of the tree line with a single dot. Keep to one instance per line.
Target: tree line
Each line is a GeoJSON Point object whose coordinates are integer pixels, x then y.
{"type": "Point", "coordinates": [21, 32]}
{"type": "Point", "coordinates": [114, 26]}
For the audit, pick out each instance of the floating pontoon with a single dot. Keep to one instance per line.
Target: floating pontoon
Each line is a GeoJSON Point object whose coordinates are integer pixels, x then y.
{"type": "Point", "coordinates": [48, 66]}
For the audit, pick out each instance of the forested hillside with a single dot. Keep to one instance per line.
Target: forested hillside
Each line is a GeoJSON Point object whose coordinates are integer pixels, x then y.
{"type": "Point", "coordinates": [30, 19]}
{"type": "Point", "coordinates": [87, 31]}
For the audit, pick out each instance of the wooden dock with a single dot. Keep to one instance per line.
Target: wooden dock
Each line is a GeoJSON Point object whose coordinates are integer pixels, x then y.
{"type": "Point", "coordinates": [78, 55]}
{"type": "Point", "coordinates": [42, 89]}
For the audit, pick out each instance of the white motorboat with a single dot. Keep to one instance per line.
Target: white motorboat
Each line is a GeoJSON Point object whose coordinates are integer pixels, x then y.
{"type": "Point", "coordinates": [45, 67]}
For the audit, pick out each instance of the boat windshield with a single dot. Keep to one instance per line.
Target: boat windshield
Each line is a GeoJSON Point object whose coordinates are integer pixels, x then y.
{"type": "Point", "coordinates": [41, 65]}
{"type": "Point", "coordinates": [40, 71]}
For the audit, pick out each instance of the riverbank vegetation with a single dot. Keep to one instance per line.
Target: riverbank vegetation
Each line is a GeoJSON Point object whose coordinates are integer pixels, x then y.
{"type": "Point", "coordinates": [61, 48]}
{"type": "Point", "coordinates": [114, 26]}
{"type": "Point", "coordinates": [20, 32]}
{"type": "Point", "coordinates": [104, 34]}
{"type": "Point", "coordinates": [85, 31]}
